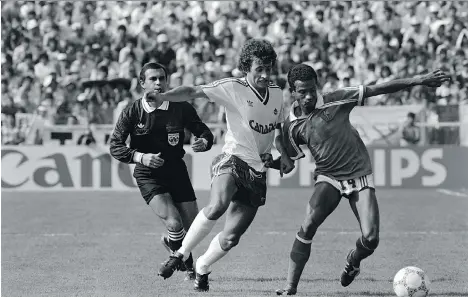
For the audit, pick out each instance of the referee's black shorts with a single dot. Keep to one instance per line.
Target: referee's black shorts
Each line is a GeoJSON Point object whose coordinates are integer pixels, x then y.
{"type": "Point", "coordinates": [172, 178]}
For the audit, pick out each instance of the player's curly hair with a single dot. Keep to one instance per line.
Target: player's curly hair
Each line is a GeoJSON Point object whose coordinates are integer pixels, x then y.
{"type": "Point", "coordinates": [300, 72]}
{"type": "Point", "coordinates": [256, 48]}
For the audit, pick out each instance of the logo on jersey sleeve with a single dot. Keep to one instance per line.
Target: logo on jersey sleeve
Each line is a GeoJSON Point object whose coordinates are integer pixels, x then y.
{"type": "Point", "coordinates": [275, 112]}
{"type": "Point", "coordinates": [250, 103]}
{"type": "Point", "coordinates": [141, 125]}
{"type": "Point", "coordinates": [173, 138]}
{"type": "Point", "coordinates": [326, 115]}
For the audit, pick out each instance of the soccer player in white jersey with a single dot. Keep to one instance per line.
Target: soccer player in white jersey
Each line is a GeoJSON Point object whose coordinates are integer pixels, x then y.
{"type": "Point", "coordinates": [254, 113]}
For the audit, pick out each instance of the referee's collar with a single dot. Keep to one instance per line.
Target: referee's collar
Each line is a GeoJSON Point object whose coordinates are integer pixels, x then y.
{"type": "Point", "coordinates": [148, 108]}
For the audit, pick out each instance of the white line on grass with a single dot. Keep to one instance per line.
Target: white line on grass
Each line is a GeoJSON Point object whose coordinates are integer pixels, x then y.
{"type": "Point", "coordinates": [452, 193]}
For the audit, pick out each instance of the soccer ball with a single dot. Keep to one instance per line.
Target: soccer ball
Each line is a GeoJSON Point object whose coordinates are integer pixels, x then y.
{"type": "Point", "coordinates": [411, 282]}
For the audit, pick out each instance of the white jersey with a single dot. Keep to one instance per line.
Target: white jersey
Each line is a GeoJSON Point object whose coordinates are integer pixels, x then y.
{"type": "Point", "coordinates": [251, 118]}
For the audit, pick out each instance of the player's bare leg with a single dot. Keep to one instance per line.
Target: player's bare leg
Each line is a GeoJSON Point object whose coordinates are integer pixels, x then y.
{"type": "Point", "coordinates": [323, 202]}
{"type": "Point", "coordinates": [238, 219]}
{"type": "Point", "coordinates": [222, 190]}
{"type": "Point", "coordinates": [365, 207]}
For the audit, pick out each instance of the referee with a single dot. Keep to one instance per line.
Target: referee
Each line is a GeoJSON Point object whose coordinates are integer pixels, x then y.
{"type": "Point", "coordinates": [157, 135]}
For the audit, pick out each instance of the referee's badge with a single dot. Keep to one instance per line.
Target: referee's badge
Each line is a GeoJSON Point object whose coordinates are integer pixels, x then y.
{"type": "Point", "coordinates": [173, 138]}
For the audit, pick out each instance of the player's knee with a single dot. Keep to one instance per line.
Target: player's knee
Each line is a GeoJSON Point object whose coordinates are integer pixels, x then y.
{"type": "Point", "coordinates": [229, 241]}
{"type": "Point", "coordinates": [371, 240]}
{"type": "Point", "coordinates": [214, 211]}
{"type": "Point", "coordinates": [309, 228]}
{"type": "Point", "coordinates": [174, 224]}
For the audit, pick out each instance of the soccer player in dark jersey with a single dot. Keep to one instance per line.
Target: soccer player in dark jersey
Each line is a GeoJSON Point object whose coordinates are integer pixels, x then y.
{"type": "Point", "coordinates": [157, 135]}
{"type": "Point", "coordinates": [343, 166]}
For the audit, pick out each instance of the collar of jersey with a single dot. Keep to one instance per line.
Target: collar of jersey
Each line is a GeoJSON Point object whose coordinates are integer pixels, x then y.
{"type": "Point", "coordinates": [264, 100]}
{"type": "Point", "coordinates": [319, 105]}
{"type": "Point", "coordinates": [292, 116]}
{"type": "Point", "coordinates": [148, 108]}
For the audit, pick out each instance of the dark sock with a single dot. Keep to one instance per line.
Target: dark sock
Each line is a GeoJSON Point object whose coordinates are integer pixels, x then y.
{"type": "Point", "coordinates": [175, 239]}
{"type": "Point", "coordinates": [300, 253]}
{"type": "Point", "coordinates": [175, 244]}
{"type": "Point", "coordinates": [362, 251]}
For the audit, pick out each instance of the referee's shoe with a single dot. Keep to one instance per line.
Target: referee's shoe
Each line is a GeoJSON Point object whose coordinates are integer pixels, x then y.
{"type": "Point", "coordinates": [186, 266]}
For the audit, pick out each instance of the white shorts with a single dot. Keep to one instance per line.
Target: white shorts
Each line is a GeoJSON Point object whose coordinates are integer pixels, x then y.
{"type": "Point", "coordinates": [347, 187]}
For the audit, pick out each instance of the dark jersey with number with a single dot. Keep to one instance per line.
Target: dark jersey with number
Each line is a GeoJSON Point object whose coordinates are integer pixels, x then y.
{"type": "Point", "coordinates": [334, 143]}
{"type": "Point", "coordinates": [155, 131]}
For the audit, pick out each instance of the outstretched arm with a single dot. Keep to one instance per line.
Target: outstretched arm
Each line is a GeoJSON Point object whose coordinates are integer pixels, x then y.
{"type": "Point", "coordinates": [433, 79]}
{"type": "Point", "coordinates": [179, 94]}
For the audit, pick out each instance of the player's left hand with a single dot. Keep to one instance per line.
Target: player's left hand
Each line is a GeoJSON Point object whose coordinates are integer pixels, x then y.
{"type": "Point", "coordinates": [286, 166]}
{"type": "Point", "coordinates": [435, 78]}
{"type": "Point", "coordinates": [199, 145]}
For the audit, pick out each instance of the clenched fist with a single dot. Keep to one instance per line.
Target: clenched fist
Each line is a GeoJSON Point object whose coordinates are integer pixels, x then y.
{"type": "Point", "coordinates": [199, 145]}
{"type": "Point", "coordinates": [152, 160]}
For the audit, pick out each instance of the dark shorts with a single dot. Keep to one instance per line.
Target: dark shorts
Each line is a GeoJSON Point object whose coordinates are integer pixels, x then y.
{"type": "Point", "coordinates": [172, 178]}
{"type": "Point", "coordinates": [251, 184]}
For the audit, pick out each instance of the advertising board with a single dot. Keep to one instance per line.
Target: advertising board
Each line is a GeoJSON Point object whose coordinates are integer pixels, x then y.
{"type": "Point", "coordinates": [65, 168]}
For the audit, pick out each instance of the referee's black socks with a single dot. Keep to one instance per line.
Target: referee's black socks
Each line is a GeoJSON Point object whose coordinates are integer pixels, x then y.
{"type": "Point", "coordinates": [175, 239]}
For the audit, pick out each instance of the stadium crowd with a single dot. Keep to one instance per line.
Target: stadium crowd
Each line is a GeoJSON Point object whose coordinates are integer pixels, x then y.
{"type": "Point", "coordinates": [77, 62]}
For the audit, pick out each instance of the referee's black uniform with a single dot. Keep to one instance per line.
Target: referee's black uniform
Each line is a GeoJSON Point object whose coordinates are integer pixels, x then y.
{"type": "Point", "coordinates": [155, 131]}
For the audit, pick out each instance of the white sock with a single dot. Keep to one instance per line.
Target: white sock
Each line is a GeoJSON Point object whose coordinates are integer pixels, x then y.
{"type": "Point", "coordinates": [199, 229]}
{"type": "Point", "coordinates": [211, 256]}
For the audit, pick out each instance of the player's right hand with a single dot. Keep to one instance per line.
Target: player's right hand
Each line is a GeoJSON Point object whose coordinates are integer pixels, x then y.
{"type": "Point", "coordinates": [435, 78]}
{"type": "Point", "coordinates": [267, 159]}
{"type": "Point", "coordinates": [286, 165]}
{"type": "Point", "coordinates": [152, 160]}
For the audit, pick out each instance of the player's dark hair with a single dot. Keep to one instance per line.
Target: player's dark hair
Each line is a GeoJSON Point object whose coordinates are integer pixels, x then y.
{"type": "Point", "coordinates": [256, 49]}
{"type": "Point", "coordinates": [301, 72]}
{"type": "Point", "coordinates": [152, 65]}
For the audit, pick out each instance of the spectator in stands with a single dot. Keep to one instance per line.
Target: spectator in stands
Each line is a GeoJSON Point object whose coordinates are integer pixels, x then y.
{"type": "Point", "coordinates": [27, 94]}
{"type": "Point", "coordinates": [161, 53]}
{"type": "Point", "coordinates": [410, 133]}
{"type": "Point", "coordinates": [44, 67]}
{"type": "Point", "coordinates": [79, 38]}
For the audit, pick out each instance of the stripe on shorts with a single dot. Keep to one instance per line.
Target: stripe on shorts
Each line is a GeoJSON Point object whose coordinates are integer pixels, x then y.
{"type": "Point", "coordinates": [217, 167]}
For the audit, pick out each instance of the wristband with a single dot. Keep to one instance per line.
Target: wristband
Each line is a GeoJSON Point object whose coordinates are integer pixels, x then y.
{"type": "Point", "coordinates": [138, 157]}
{"type": "Point", "coordinates": [141, 158]}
